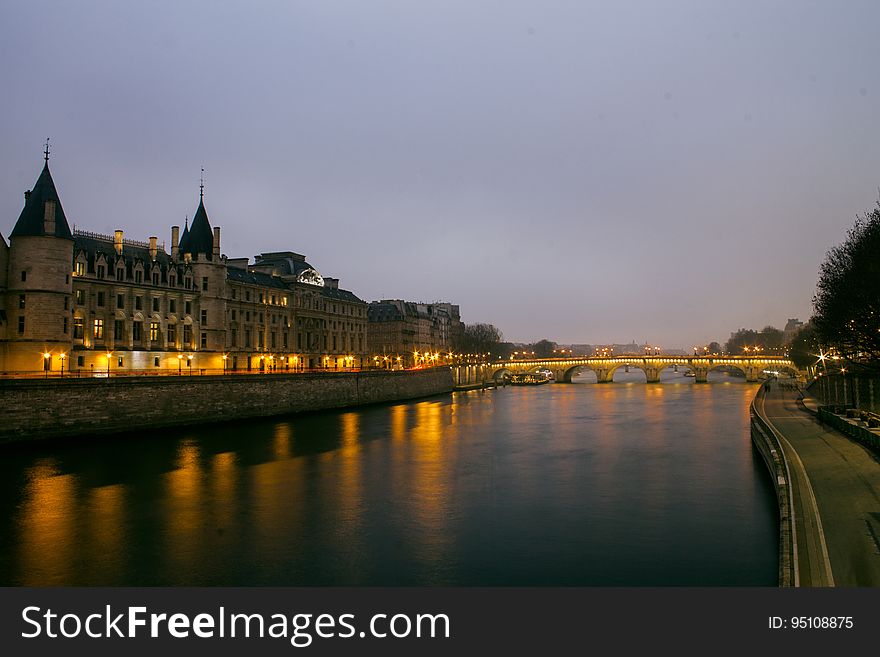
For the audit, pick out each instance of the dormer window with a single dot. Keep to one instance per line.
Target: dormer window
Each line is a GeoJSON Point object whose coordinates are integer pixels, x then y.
{"type": "Point", "coordinates": [120, 273]}
{"type": "Point", "coordinates": [138, 276]}
{"type": "Point", "coordinates": [100, 271]}
{"type": "Point", "coordinates": [79, 268]}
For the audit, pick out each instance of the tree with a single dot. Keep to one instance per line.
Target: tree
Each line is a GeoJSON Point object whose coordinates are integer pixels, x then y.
{"type": "Point", "coordinates": [543, 348]}
{"type": "Point", "coordinates": [846, 306]}
{"type": "Point", "coordinates": [768, 339]}
{"type": "Point", "coordinates": [479, 339]}
{"type": "Point", "coordinates": [804, 347]}
{"type": "Point", "coordinates": [714, 348]}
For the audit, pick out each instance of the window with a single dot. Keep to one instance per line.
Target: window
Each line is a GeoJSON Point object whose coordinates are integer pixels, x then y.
{"type": "Point", "coordinates": [100, 271]}
{"type": "Point", "coordinates": [187, 334]}
{"type": "Point", "coordinates": [119, 361]}
{"type": "Point", "coordinates": [155, 304]}
{"type": "Point", "coordinates": [98, 330]}
{"type": "Point", "coordinates": [138, 276]}
{"type": "Point", "coordinates": [172, 280]}
{"type": "Point", "coordinates": [334, 343]}
{"type": "Point", "coordinates": [155, 278]}
{"type": "Point", "coordinates": [20, 324]}
{"type": "Point", "coordinates": [234, 293]}
{"type": "Point", "coordinates": [77, 328]}
{"type": "Point", "coordinates": [187, 282]}
{"type": "Point", "coordinates": [80, 361]}
{"type": "Point", "coordinates": [66, 303]}
{"type": "Point", "coordinates": [101, 299]}
{"type": "Point", "coordinates": [299, 340]}
{"type": "Point", "coordinates": [260, 339]}
{"type": "Point", "coordinates": [21, 301]}
{"type": "Point", "coordinates": [261, 297]}
{"type": "Point", "coordinates": [247, 293]}
{"type": "Point", "coordinates": [247, 337]}
{"type": "Point", "coordinates": [247, 315]}
{"type": "Point", "coordinates": [136, 328]}
{"type": "Point", "coordinates": [272, 339]}
{"type": "Point", "coordinates": [188, 306]}
{"type": "Point", "coordinates": [172, 306]}
{"type": "Point", "coordinates": [234, 338]}
{"type": "Point", "coordinates": [204, 317]}
{"type": "Point", "coordinates": [172, 335]}
{"type": "Point", "coordinates": [120, 301]}
{"type": "Point", "coordinates": [80, 297]}
{"type": "Point", "coordinates": [204, 340]}
{"type": "Point", "coordinates": [23, 276]}
{"type": "Point", "coordinates": [118, 329]}
{"type": "Point", "coordinates": [284, 334]}
{"type": "Point", "coordinates": [138, 303]}
{"type": "Point", "coordinates": [156, 361]}
{"type": "Point", "coordinates": [233, 315]}
{"type": "Point", "coordinates": [273, 299]}
{"type": "Point", "coordinates": [79, 269]}
{"type": "Point", "coordinates": [204, 282]}
{"type": "Point", "coordinates": [154, 331]}
{"type": "Point", "coordinates": [120, 274]}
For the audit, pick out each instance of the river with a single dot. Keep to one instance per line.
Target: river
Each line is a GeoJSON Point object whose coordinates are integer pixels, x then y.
{"type": "Point", "coordinates": [623, 484]}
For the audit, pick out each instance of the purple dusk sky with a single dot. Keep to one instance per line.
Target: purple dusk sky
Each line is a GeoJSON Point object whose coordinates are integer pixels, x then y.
{"type": "Point", "coordinates": [586, 172]}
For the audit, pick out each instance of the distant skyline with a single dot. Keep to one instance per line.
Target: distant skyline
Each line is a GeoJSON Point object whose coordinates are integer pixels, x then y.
{"type": "Point", "coordinates": [582, 172]}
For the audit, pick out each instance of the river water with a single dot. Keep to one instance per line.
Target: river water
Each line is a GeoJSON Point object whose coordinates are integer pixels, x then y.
{"type": "Point", "coordinates": [583, 484]}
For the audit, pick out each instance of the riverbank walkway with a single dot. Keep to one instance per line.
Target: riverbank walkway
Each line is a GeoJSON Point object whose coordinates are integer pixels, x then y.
{"type": "Point", "coordinates": [836, 486]}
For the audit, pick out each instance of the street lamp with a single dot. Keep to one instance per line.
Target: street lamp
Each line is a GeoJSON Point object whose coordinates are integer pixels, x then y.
{"type": "Point", "coordinates": [189, 363]}
{"type": "Point", "coordinates": [179, 363]}
{"type": "Point", "coordinates": [224, 363]}
{"type": "Point", "coordinates": [46, 357]}
{"type": "Point", "coordinates": [62, 357]}
{"type": "Point", "coordinates": [109, 356]}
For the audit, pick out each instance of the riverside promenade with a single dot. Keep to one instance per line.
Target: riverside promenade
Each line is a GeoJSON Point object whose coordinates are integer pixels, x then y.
{"type": "Point", "coordinates": [836, 490]}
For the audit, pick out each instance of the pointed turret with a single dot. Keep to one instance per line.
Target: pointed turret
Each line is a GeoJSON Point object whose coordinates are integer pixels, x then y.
{"type": "Point", "coordinates": [201, 236]}
{"type": "Point", "coordinates": [42, 213]}
{"type": "Point", "coordinates": [184, 238]}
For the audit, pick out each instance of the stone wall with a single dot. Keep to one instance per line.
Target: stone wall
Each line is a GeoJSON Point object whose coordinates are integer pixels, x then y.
{"type": "Point", "coordinates": [34, 409]}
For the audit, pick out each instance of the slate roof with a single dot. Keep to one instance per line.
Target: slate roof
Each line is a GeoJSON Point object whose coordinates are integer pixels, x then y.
{"type": "Point", "coordinates": [340, 295]}
{"type": "Point", "coordinates": [30, 221]}
{"type": "Point", "coordinates": [254, 278]}
{"type": "Point", "coordinates": [201, 237]}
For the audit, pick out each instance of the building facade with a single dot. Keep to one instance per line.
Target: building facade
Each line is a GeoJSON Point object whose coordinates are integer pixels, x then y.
{"type": "Point", "coordinates": [405, 333]}
{"type": "Point", "coordinates": [83, 302]}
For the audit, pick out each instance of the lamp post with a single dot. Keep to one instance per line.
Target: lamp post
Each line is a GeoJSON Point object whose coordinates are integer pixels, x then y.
{"type": "Point", "coordinates": [109, 356]}
{"type": "Point", "coordinates": [179, 364]}
{"type": "Point", "coordinates": [189, 363]}
{"type": "Point", "coordinates": [46, 357]}
{"type": "Point", "coordinates": [224, 363]}
{"type": "Point", "coordinates": [62, 357]}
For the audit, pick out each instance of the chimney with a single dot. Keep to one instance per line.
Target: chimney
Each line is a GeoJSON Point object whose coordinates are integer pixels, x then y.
{"type": "Point", "coordinates": [117, 241]}
{"type": "Point", "coordinates": [49, 217]}
{"type": "Point", "coordinates": [27, 195]}
{"type": "Point", "coordinates": [216, 241]}
{"type": "Point", "coordinates": [175, 240]}
{"type": "Point", "coordinates": [153, 247]}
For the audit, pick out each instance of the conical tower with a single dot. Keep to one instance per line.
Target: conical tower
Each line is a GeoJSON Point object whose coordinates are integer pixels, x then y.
{"type": "Point", "coordinates": [38, 274]}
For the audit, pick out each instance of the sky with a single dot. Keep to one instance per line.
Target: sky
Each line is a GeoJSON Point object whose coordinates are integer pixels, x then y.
{"type": "Point", "coordinates": [587, 172]}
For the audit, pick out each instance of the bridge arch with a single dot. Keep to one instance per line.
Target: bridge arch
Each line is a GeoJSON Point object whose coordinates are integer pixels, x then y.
{"type": "Point", "coordinates": [574, 371]}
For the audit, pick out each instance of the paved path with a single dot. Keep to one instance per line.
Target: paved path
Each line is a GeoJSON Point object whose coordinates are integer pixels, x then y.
{"type": "Point", "coordinates": [839, 546]}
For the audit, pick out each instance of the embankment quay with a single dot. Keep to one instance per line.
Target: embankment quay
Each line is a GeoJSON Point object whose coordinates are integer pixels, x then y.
{"type": "Point", "coordinates": [828, 488]}
{"type": "Point", "coordinates": [40, 408]}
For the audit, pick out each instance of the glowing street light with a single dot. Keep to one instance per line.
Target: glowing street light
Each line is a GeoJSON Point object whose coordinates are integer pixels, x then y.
{"type": "Point", "coordinates": [62, 357]}
{"type": "Point", "coordinates": [46, 357]}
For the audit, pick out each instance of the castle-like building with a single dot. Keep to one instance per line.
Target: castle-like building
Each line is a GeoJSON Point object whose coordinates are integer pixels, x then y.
{"type": "Point", "coordinates": [81, 302]}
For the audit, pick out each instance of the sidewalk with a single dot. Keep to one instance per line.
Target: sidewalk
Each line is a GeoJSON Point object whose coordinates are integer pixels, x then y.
{"type": "Point", "coordinates": [837, 492]}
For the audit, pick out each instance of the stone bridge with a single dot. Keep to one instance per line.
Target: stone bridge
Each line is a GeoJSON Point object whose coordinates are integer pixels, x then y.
{"type": "Point", "coordinates": [564, 369]}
